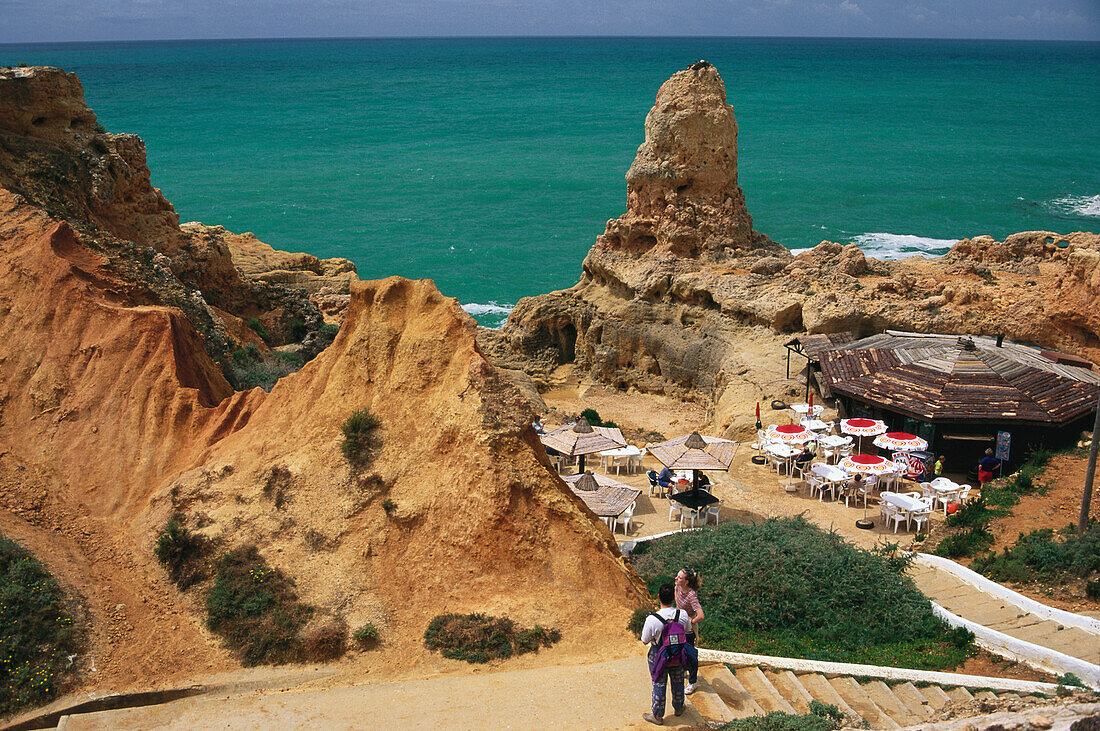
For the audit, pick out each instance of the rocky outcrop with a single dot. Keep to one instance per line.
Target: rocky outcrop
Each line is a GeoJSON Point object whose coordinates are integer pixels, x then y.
{"type": "Point", "coordinates": [679, 296]}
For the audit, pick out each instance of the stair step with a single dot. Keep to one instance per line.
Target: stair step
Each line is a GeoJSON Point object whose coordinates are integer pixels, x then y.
{"type": "Point", "coordinates": [914, 701]}
{"type": "Point", "coordinates": [935, 696]}
{"type": "Point", "coordinates": [1009, 696]}
{"type": "Point", "coordinates": [762, 690]}
{"type": "Point", "coordinates": [787, 684]}
{"type": "Point", "coordinates": [708, 704]}
{"type": "Point", "coordinates": [729, 688]}
{"type": "Point", "coordinates": [885, 699]}
{"type": "Point", "coordinates": [858, 699]}
{"type": "Point", "coordinates": [985, 695]}
{"type": "Point", "coordinates": [818, 687]}
{"type": "Point", "coordinates": [959, 694]}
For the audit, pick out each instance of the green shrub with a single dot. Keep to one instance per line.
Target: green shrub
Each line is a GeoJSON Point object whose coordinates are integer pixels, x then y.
{"type": "Point", "coordinates": [478, 638]}
{"type": "Point", "coordinates": [327, 642]}
{"type": "Point", "coordinates": [330, 330]}
{"type": "Point", "coordinates": [293, 359]}
{"type": "Point", "coordinates": [254, 324]}
{"type": "Point", "coordinates": [297, 330]}
{"type": "Point", "coordinates": [359, 435]}
{"type": "Point", "coordinates": [367, 635]}
{"type": "Point", "coordinates": [389, 506]}
{"type": "Point", "coordinates": [974, 513]}
{"type": "Point", "coordinates": [592, 417]}
{"type": "Point", "coordinates": [820, 718]}
{"type": "Point", "coordinates": [181, 553]}
{"type": "Point", "coordinates": [969, 542]}
{"type": "Point", "coordinates": [38, 635]}
{"type": "Point", "coordinates": [637, 622]}
{"type": "Point", "coordinates": [610, 425]}
{"type": "Point", "coordinates": [1042, 554]}
{"type": "Point", "coordinates": [1070, 681]}
{"type": "Point", "coordinates": [255, 609]}
{"type": "Point", "coordinates": [785, 587]}
{"type": "Point", "coordinates": [1092, 590]}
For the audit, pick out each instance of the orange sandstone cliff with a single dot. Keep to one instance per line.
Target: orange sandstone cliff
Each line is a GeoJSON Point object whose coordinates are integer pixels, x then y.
{"type": "Point", "coordinates": [114, 413]}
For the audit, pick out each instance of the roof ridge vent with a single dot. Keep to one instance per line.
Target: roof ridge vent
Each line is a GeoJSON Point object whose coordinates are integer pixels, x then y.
{"type": "Point", "coordinates": [967, 344]}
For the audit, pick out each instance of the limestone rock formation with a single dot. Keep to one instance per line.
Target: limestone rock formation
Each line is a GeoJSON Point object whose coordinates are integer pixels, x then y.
{"type": "Point", "coordinates": [682, 192]}
{"type": "Point", "coordinates": [679, 296]}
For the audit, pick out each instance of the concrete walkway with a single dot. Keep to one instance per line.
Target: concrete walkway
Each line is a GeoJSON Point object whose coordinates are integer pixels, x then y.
{"type": "Point", "coordinates": [969, 602]}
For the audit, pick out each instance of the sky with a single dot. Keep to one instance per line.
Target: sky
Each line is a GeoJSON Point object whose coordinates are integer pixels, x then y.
{"type": "Point", "coordinates": [35, 21]}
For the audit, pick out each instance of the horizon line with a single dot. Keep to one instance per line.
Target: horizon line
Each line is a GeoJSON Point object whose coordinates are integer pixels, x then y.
{"type": "Point", "coordinates": [262, 39]}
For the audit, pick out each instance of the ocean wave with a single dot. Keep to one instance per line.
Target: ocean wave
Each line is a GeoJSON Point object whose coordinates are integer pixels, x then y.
{"type": "Point", "coordinates": [898, 246]}
{"type": "Point", "coordinates": [491, 315]}
{"type": "Point", "coordinates": [1079, 205]}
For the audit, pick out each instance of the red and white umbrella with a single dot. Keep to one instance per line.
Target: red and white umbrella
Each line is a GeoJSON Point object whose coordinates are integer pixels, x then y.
{"type": "Point", "coordinates": [867, 464]}
{"type": "Point", "coordinates": [862, 427]}
{"type": "Point", "coordinates": [900, 441]}
{"type": "Point", "coordinates": [791, 433]}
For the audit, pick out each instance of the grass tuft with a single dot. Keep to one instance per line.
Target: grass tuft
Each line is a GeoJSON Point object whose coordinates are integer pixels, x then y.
{"type": "Point", "coordinates": [181, 553]}
{"type": "Point", "coordinates": [820, 718]}
{"type": "Point", "coordinates": [479, 638]}
{"type": "Point", "coordinates": [255, 609]}
{"type": "Point", "coordinates": [359, 437]}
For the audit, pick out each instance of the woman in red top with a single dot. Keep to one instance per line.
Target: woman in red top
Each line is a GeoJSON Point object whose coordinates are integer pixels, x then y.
{"type": "Point", "coordinates": [687, 598]}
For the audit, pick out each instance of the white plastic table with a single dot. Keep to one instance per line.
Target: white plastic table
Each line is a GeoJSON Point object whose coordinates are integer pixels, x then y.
{"type": "Point", "coordinates": [628, 455]}
{"type": "Point", "coordinates": [816, 425]}
{"type": "Point", "coordinates": [903, 501]}
{"type": "Point", "coordinates": [803, 409]}
{"type": "Point", "coordinates": [832, 441]}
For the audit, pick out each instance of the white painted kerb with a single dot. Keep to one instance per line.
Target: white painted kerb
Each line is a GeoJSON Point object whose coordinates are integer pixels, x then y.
{"type": "Point", "coordinates": [1066, 619]}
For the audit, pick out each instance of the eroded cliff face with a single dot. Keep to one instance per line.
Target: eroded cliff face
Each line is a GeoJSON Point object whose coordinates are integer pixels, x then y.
{"type": "Point", "coordinates": [680, 296]}
{"type": "Point", "coordinates": [114, 414]}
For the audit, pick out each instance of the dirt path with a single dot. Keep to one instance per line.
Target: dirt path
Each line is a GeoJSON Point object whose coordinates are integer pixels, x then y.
{"type": "Point", "coordinates": [610, 694]}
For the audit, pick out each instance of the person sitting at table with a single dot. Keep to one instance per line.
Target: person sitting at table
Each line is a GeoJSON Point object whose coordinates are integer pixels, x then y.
{"type": "Point", "coordinates": [664, 479]}
{"type": "Point", "coordinates": [704, 481]}
{"type": "Point", "coordinates": [856, 484]}
{"type": "Point", "coordinates": [805, 456]}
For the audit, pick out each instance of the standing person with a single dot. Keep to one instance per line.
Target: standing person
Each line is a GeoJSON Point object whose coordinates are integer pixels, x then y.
{"type": "Point", "coordinates": [937, 469]}
{"type": "Point", "coordinates": [653, 634]}
{"type": "Point", "coordinates": [687, 598]}
{"type": "Point", "coordinates": [986, 466]}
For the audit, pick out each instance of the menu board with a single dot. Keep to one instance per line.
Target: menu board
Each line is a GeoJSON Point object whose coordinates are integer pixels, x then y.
{"type": "Point", "coordinates": [1004, 442]}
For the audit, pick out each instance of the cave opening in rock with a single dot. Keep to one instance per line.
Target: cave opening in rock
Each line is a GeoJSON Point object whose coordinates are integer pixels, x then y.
{"type": "Point", "coordinates": [567, 343]}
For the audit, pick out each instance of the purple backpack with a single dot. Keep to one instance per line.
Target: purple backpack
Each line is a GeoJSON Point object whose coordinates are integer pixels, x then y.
{"type": "Point", "coordinates": [671, 650]}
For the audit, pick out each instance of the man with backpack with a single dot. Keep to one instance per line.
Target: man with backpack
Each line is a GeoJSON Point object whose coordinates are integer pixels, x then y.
{"type": "Point", "coordinates": [666, 632]}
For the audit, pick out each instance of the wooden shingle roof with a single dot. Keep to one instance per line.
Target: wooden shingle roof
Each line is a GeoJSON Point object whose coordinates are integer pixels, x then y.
{"type": "Point", "coordinates": [948, 378]}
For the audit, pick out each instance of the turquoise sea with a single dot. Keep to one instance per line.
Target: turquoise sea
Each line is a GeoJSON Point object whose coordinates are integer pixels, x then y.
{"type": "Point", "coordinates": [490, 165]}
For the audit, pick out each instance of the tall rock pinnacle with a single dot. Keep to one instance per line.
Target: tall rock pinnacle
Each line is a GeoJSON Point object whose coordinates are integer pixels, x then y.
{"type": "Point", "coordinates": [682, 192]}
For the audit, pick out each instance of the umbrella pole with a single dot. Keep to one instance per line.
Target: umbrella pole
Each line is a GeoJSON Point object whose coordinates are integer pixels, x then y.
{"type": "Point", "coordinates": [580, 464]}
{"type": "Point", "coordinates": [695, 479]}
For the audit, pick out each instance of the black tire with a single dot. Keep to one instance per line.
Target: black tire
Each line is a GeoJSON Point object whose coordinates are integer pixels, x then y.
{"type": "Point", "coordinates": [778, 405]}
{"type": "Point", "coordinates": [759, 459]}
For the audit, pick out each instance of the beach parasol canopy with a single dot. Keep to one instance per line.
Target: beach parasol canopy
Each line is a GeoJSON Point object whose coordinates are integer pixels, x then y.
{"type": "Point", "coordinates": [868, 464]}
{"type": "Point", "coordinates": [581, 438]}
{"type": "Point", "coordinates": [862, 427]}
{"type": "Point", "coordinates": [900, 441]}
{"type": "Point", "coordinates": [790, 433]}
{"type": "Point", "coordinates": [695, 452]}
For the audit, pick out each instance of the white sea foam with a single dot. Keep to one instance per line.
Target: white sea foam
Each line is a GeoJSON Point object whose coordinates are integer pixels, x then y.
{"type": "Point", "coordinates": [898, 246]}
{"type": "Point", "coordinates": [1080, 205]}
{"type": "Point", "coordinates": [491, 315]}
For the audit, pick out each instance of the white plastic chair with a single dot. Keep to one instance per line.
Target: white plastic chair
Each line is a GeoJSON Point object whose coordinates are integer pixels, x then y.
{"type": "Point", "coordinates": [761, 441]}
{"type": "Point", "coordinates": [964, 494]}
{"type": "Point", "coordinates": [624, 518]}
{"type": "Point", "coordinates": [898, 515]}
{"type": "Point", "coordinates": [675, 507]}
{"type": "Point", "coordinates": [714, 510]}
{"type": "Point", "coordinates": [919, 517]}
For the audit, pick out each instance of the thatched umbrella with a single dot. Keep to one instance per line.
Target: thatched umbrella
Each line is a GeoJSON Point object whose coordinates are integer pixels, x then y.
{"type": "Point", "coordinates": [695, 452]}
{"type": "Point", "coordinates": [577, 440]}
{"type": "Point", "coordinates": [586, 482]}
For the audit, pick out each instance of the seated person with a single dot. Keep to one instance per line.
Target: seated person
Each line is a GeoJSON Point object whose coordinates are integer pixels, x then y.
{"type": "Point", "coordinates": [704, 481]}
{"type": "Point", "coordinates": [805, 456]}
{"type": "Point", "coordinates": [665, 478]}
{"type": "Point", "coordinates": [856, 483]}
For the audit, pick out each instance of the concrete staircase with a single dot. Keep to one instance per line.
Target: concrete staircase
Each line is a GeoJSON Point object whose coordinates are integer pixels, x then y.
{"type": "Point", "coordinates": [970, 602]}
{"type": "Point", "coordinates": [723, 695]}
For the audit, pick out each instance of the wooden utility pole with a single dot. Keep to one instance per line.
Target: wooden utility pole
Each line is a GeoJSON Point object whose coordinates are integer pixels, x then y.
{"type": "Point", "coordinates": [1086, 499]}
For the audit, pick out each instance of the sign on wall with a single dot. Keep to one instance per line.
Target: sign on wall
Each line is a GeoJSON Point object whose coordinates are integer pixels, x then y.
{"type": "Point", "coordinates": [1004, 443]}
